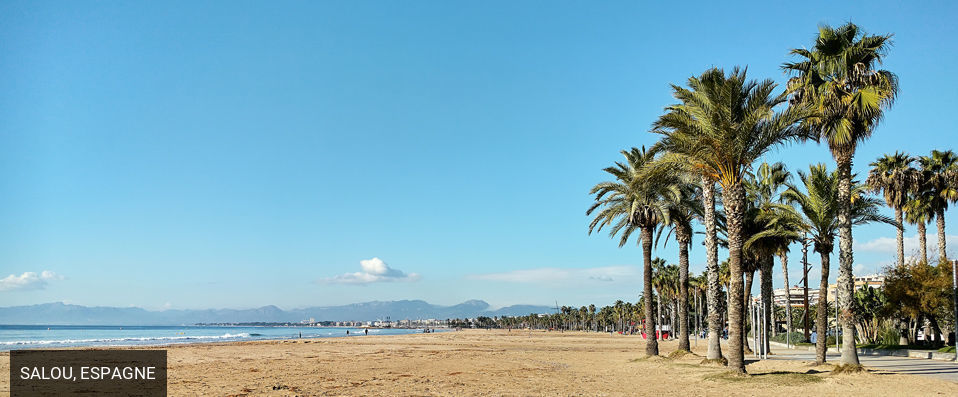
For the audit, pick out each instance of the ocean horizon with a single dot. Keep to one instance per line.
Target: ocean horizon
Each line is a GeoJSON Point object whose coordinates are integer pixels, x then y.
{"type": "Point", "coordinates": [16, 337]}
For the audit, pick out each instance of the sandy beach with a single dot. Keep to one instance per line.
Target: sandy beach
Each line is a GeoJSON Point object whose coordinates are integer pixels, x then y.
{"type": "Point", "coordinates": [495, 362]}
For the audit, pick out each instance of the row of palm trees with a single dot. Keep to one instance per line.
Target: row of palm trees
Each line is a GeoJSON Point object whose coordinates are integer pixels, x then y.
{"type": "Point", "coordinates": [721, 124]}
{"type": "Point", "coordinates": [917, 194]}
{"type": "Point", "coordinates": [623, 317]}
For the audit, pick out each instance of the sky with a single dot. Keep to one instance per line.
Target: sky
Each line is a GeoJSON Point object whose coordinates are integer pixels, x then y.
{"type": "Point", "coordinates": [237, 154]}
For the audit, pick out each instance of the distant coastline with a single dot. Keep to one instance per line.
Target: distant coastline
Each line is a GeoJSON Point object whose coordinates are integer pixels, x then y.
{"type": "Point", "coordinates": [367, 313]}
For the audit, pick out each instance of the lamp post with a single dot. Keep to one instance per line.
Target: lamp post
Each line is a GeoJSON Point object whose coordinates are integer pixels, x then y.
{"type": "Point", "coordinates": [954, 283]}
{"type": "Point", "coordinates": [805, 281]}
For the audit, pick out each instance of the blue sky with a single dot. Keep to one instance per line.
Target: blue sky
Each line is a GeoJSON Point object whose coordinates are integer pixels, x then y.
{"type": "Point", "coordinates": [239, 154]}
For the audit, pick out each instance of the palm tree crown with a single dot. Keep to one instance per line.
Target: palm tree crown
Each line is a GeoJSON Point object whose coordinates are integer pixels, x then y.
{"type": "Point", "coordinates": [633, 200]}
{"type": "Point", "coordinates": [839, 80]}
{"type": "Point", "coordinates": [893, 176]}
{"type": "Point", "coordinates": [937, 174]}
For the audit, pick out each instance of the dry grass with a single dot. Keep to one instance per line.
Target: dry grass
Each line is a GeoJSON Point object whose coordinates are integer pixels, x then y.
{"type": "Point", "coordinates": [778, 378]}
{"type": "Point", "coordinates": [715, 362]}
{"type": "Point", "coordinates": [848, 369]}
{"type": "Point", "coordinates": [679, 354]}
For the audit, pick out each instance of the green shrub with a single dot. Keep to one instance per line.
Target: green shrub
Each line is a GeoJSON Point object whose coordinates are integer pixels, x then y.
{"type": "Point", "coordinates": [796, 337]}
{"type": "Point", "coordinates": [888, 336]}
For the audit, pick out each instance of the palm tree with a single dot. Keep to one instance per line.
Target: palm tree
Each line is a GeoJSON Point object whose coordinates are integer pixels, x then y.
{"type": "Point", "coordinates": [592, 322]}
{"type": "Point", "coordinates": [936, 175]}
{"type": "Point", "coordinates": [893, 176]}
{"type": "Point", "coordinates": [919, 211]}
{"type": "Point", "coordinates": [698, 283]}
{"type": "Point", "coordinates": [839, 80]}
{"type": "Point", "coordinates": [635, 202]}
{"type": "Point", "coordinates": [819, 205]}
{"type": "Point", "coordinates": [684, 165]}
{"type": "Point", "coordinates": [725, 277]}
{"type": "Point", "coordinates": [722, 124]}
{"type": "Point", "coordinates": [681, 215]}
{"type": "Point", "coordinates": [665, 279]}
{"type": "Point", "coordinates": [659, 282]}
{"type": "Point", "coordinates": [619, 310]}
{"type": "Point", "coordinates": [774, 226]}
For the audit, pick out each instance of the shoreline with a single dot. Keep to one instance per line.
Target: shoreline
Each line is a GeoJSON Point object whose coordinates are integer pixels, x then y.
{"type": "Point", "coordinates": [131, 342]}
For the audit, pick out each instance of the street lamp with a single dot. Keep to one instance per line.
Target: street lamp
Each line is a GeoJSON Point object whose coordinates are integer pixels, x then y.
{"type": "Point", "coordinates": [805, 243]}
{"type": "Point", "coordinates": [954, 283]}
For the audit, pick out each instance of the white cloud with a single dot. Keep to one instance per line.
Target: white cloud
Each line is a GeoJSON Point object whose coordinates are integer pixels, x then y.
{"type": "Point", "coordinates": [374, 270]}
{"type": "Point", "coordinates": [889, 245]}
{"type": "Point", "coordinates": [28, 280]}
{"type": "Point", "coordinates": [558, 275]}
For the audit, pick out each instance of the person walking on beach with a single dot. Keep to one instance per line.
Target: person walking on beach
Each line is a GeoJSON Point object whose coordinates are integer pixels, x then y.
{"type": "Point", "coordinates": [367, 331]}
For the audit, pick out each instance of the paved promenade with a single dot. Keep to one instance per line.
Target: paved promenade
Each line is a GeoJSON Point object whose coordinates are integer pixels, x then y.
{"type": "Point", "coordinates": [947, 370]}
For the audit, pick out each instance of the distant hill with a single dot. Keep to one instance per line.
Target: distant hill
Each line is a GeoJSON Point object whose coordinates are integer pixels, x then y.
{"type": "Point", "coordinates": [63, 314]}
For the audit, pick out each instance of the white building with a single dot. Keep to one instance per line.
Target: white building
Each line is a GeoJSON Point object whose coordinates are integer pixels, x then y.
{"type": "Point", "coordinates": [797, 296]}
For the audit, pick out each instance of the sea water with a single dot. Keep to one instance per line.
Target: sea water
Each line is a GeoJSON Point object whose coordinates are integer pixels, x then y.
{"type": "Point", "coordinates": [56, 336]}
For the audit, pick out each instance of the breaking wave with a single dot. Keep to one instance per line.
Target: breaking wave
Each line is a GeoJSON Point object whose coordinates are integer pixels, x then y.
{"type": "Point", "coordinates": [135, 340]}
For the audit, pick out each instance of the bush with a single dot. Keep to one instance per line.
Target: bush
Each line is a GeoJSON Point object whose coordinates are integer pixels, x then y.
{"type": "Point", "coordinates": [796, 337]}
{"type": "Point", "coordinates": [888, 336]}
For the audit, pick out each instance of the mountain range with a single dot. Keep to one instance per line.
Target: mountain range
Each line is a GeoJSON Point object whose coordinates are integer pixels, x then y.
{"type": "Point", "coordinates": [59, 313]}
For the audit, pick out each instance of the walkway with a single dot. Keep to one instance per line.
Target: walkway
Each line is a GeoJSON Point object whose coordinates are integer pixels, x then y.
{"type": "Point", "coordinates": [947, 370]}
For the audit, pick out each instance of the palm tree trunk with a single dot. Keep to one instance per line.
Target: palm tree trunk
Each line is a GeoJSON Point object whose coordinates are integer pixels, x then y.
{"type": "Point", "coordinates": [651, 344]}
{"type": "Point", "coordinates": [728, 304]}
{"type": "Point", "coordinates": [734, 202]}
{"type": "Point", "coordinates": [788, 296]}
{"type": "Point", "coordinates": [922, 242]}
{"type": "Point", "coordinates": [846, 259]}
{"type": "Point", "coordinates": [766, 290]}
{"type": "Point", "coordinates": [940, 218]}
{"type": "Point", "coordinates": [900, 236]}
{"type": "Point", "coordinates": [821, 318]}
{"type": "Point", "coordinates": [674, 319]}
{"type": "Point", "coordinates": [749, 278]}
{"type": "Point", "coordinates": [683, 303]}
{"type": "Point", "coordinates": [714, 287]}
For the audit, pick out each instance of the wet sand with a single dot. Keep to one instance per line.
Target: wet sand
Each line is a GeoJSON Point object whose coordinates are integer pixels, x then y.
{"type": "Point", "coordinates": [480, 362]}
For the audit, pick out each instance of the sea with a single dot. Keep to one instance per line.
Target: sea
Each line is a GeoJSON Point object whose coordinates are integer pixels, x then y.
{"type": "Point", "coordinates": [15, 337]}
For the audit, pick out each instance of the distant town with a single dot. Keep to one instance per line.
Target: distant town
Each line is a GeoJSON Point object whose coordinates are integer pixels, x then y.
{"type": "Point", "coordinates": [403, 324]}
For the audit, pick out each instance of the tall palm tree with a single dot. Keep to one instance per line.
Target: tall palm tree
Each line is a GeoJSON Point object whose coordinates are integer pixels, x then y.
{"type": "Point", "coordinates": [698, 285]}
{"type": "Point", "coordinates": [894, 177]}
{"type": "Point", "coordinates": [839, 79]}
{"type": "Point", "coordinates": [723, 123]}
{"type": "Point", "coordinates": [685, 165]}
{"type": "Point", "coordinates": [919, 211]}
{"type": "Point", "coordinates": [660, 281]}
{"type": "Point", "coordinates": [818, 203]}
{"type": "Point", "coordinates": [633, 202]}
{"type": "Point", "coordinates": [725, 277]}
{"type": "Point", "coordinates": [772, 227]}
{"type": "Point", "coordinates": [681, 215]}
{"type": "Point", "coordinates": [936, 175]}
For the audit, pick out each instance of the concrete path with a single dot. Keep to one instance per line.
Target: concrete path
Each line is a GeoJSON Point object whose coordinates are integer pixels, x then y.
{"type": "Point", "coordinates": [947, 370]}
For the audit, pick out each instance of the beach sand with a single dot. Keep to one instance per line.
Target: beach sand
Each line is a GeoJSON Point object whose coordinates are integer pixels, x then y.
{"type": "Point", "coordinates": [495, 362]}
